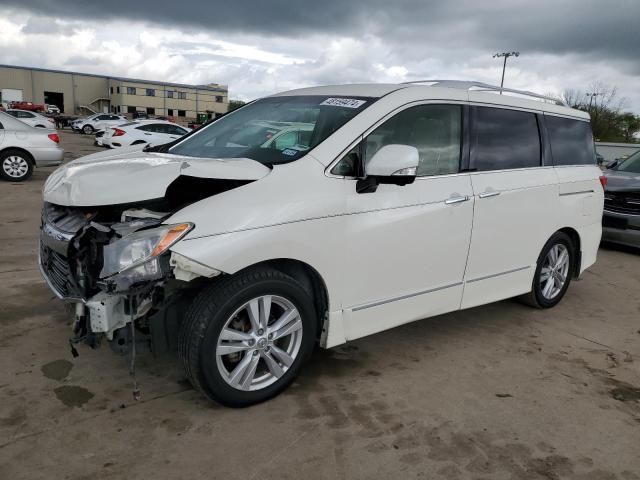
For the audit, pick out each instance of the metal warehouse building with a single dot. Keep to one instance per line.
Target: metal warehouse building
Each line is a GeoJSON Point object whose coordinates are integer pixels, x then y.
{"type": "Point", "coordinates": [81, 93]}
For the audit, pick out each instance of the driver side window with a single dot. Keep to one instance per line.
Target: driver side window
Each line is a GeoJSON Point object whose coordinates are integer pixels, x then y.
{"type": "Point", "coordinates": [435, 130]}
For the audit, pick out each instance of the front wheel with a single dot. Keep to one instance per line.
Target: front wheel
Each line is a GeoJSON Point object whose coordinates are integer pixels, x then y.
{"type": "Point", "coordinates": [87, 129]}
{"type": "Point", "coordinates": [553, 272]}
{"type": "Point", "coordinates": [245, 338]}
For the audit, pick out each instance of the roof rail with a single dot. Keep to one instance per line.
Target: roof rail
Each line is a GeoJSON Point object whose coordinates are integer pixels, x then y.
{"type": "Point", "coordinates": [485, 87]}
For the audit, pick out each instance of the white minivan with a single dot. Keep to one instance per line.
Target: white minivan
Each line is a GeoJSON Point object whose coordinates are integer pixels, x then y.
{"type": "Point", "coordinates": [386, 204]}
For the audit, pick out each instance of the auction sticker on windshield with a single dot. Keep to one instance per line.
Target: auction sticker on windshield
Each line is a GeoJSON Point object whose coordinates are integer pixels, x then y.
{"type": "Point", "coordinates": [344, 102]}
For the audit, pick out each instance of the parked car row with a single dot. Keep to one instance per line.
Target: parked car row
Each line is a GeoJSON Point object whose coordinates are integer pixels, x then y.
{"type": "Point", "coordinates": [151, 132]}
{"type": "Point", "coordinates": [32, 118]}
{"type": "Point", "coordinates": [98, 121]}
{"type": "Point", "coordinates": [23, 147]}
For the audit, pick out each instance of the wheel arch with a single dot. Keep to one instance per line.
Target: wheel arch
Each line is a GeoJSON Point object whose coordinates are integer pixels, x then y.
{"type": "Point", "coordinates": [577, 244]}
{"type": "Point", "coordinates": [22, 150]}
{"type": "Point", "coordinates": [308, 277]}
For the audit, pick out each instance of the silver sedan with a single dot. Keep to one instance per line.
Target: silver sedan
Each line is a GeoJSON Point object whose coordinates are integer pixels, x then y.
{"type": "Point", "coordinates": [23, 147]}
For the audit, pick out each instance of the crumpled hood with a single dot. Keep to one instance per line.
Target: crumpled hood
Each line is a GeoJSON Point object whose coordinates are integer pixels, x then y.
{"type": "Point", "coordinates": [617, 180]}
{"type": "Point", "coordinates": [132, 175]}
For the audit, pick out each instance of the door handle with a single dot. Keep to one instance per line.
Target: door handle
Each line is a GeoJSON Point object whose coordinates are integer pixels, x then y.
{"type": "Point", "coordinates": [452, 200]}
{"type": "Point", "coordinates": [489, 194]}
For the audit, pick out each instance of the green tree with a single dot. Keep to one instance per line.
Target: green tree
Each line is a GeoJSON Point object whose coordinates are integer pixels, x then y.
{"type": "Point", "coordinates": [609, 121]}
{"type": "Point", "coordinates": [234, 104]}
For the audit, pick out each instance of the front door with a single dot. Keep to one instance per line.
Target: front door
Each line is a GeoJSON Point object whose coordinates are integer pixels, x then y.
{"type": "Point", "coordinates": [407, 245]}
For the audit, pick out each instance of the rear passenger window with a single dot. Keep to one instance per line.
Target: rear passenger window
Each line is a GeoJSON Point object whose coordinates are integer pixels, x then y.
{"type": "Point", "coordinates": [505, 139]}
{"type": "Point", "coordinates": [571, 141]}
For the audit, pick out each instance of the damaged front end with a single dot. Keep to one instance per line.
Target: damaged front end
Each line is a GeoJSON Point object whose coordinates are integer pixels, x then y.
{"type": "Point", "coordinates": [114, 263]}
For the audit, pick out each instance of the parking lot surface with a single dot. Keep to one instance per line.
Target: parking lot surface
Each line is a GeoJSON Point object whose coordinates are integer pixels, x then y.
{"type": "Point", "coordinates": [496, 392]}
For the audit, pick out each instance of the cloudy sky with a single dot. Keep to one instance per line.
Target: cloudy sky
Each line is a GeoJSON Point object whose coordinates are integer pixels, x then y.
{"type": "Point", "coordinates": [261, 47]}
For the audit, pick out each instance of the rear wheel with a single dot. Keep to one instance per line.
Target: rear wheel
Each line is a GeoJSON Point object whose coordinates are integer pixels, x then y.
{"type": "Point", "coordinates": [245, 338]}
{"type": "Point", "coordinates": [553, 272]}
{"type": "Point", "coordinates": [16, 165]}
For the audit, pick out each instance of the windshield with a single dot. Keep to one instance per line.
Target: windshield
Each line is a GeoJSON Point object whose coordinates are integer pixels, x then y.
{"type": "Point", "coordinates": [631, 164]}
{"type": "Point", "coordinates": [273, 130]}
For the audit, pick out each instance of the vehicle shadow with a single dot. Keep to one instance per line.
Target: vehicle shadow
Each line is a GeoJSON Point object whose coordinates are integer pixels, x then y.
{"type": "Point", "coordinates": [619, 248]}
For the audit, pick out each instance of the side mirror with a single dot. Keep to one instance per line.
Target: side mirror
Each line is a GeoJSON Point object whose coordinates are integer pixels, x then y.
{"type": "Point", "coordinates": [392, 164]}
{"type": "Point", "coordinates": [400, 161]}
{"type": "Point", "coordinates": [612, 164]}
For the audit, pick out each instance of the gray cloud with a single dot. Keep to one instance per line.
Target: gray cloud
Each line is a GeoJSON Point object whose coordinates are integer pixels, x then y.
{"type": "Point", "coordinates": [563, 44]}
{"type": "Point", "coordinates": [547, 26]}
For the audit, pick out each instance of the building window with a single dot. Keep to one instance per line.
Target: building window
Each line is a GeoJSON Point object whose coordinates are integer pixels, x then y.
{"type": "Point", "coordinates": [219, 98]}
{"type": "Point", "coordinates": [151, 111]}
{"type": "Point", "coordinates": [119, 109]}
{"type": "Point", "coordinates": [182, 113]}
{"type": "Point", "coordinates": [169, 93]}
{"type": "Point", "coordinates": [151, 92]}
{"type": "Point", "coordinates": [170, 112]}
{"type": "Point", "coordinates": [117, 89]}
{"type": "Point", "coordinates": [131, 109]}
{"type": "Point", "coordinates": [131, 90]}
{"type": "Point", "coordinates": [111, 90]}
{"type": "Point", "coordinates": [182, 95]}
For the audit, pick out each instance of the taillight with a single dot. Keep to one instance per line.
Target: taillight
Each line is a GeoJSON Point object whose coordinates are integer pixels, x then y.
{"type": "Point", "coordinates": [603, 181]}
{"type": "Point", "coordinates": [54, 137]}
{"type": "Point", "coordinates": [117, 132]}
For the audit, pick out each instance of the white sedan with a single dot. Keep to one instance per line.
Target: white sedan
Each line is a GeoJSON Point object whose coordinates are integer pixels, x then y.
{"type": "Point", "coordinates": [32, 118]}
{"type": "Point", "coordinates": [152, 132]}
{"type": "Point", "coordinates": [99, 121]}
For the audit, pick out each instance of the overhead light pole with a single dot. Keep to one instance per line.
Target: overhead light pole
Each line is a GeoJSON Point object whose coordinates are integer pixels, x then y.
{"type": "Point", "coordinates": [591, 96]}
{"type": "Point", "coordinates": [505, 55]}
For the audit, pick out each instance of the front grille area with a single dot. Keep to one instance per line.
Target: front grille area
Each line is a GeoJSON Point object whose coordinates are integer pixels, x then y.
{"type": "Point", "coordinates": [58, 271]}
{"type": "Point", "coordinates": [622, 202]}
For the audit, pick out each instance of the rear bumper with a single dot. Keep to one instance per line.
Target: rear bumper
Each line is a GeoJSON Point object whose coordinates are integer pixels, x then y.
{"type": "Point", "coordinates": [621, 228]}
{"type": "Point", "coordinates": [48, 157]}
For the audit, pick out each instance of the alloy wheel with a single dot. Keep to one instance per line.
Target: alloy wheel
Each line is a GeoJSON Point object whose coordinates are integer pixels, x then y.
{"type": "Point", "coordinates": [554, 272]}
{"type": "Point", "coordinates": [259, 342]}
{"type": "Point", "coordinates": [15, 166]}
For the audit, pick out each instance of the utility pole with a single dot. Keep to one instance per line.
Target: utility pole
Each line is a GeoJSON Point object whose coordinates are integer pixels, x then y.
{"type": "Point", "coordinates": [505, 55]}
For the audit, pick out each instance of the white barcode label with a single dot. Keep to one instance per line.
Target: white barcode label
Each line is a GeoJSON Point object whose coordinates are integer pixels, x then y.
{"type": "Point", "coordinates": [344, 102]}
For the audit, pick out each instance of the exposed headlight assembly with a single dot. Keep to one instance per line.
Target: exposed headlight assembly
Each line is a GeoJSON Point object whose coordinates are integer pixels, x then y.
{"type": "Point", "coordinates": [137, 255]}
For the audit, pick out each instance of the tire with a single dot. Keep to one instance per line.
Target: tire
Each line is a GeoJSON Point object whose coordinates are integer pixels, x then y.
{"type": "Point", "coordinates": [138, 142]}
{"type": "Point", "coordinates": [87, 129]}
{"type": "Point", "coordinates": [15, 165]}
{"type": "Point", "coordinates": [544, 294]}
{"type": "Point", "coordinates": [39, 126]}
{"type": "Point", "coordinates": [249, 375]}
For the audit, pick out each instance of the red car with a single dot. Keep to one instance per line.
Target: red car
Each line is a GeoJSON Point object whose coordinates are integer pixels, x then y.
{"type": "Point", "coordinates": [34, 107]}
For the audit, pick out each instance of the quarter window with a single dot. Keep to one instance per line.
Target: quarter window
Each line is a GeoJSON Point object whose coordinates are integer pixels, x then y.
{"type": "Point", "coordinates": [571, 141]}
{"type": "Point", "coordinates": [505, 139]}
